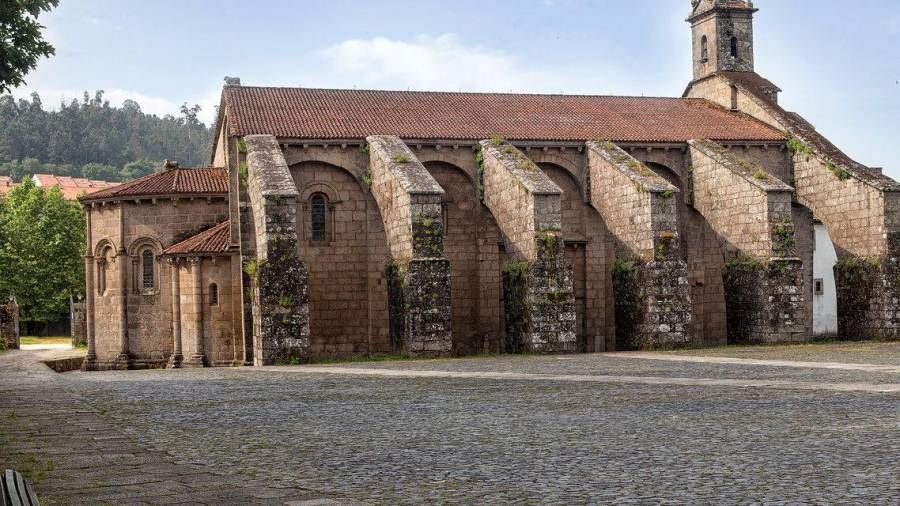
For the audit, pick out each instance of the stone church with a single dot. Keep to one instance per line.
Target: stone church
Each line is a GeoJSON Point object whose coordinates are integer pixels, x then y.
{"type": "Point", "coordinates": [337, 223]}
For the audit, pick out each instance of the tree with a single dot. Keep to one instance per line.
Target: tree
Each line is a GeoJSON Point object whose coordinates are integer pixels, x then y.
{"type": "Point", "coordinates": [42, 240]}
{"type": "Point", "coordinates": [21, 42]}
{"type": "Point", "coordinates": [100, 171]}
{"type": "Point", "coordinates": [90, 130]}
{"type": "Point", "coordinates": [138, 168]}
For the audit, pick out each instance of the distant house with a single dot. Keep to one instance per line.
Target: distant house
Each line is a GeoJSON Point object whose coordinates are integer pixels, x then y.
{"type": "Point", "coordinates": [71, 187]}
{"type": "Point", "coordinates": [6, 184]}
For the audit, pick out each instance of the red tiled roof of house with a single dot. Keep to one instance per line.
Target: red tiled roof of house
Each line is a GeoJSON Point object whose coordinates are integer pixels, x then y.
{"type": "Point", "coordinates": [6, 184]}
{"type": "Point", "coordinates": [196, 181]}
{"type": "Point", "coordinates": [214, 240]}
{"type": "Point", "coordinates": [72, 187]}
{"type": "Point", "coordinates": [354, 114]}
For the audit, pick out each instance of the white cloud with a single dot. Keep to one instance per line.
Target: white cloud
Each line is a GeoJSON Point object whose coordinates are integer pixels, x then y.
{"type": "Point", "coordinates": [439, 63]}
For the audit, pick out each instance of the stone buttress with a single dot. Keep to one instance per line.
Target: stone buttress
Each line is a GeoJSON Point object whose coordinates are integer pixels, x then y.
{"type": "Point", "coordinates": [859, 206]}
{"type": "Point", "coordinates": [539, 297]}
{"type": "Point", "coordinates": [751, 210]}
{"type": "Point", "coordinates": [419, 275]}
{"type": "Point", "coordinates": [650, 279]}
{"type": "Point", "coordinates": [280, 298]}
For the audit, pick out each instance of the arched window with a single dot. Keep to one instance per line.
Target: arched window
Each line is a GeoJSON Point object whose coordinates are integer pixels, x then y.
{"type": "Point", "coordinates": [213, 294]}
{"type": "Point", "coordinates": [147, 281]}
{"type": "Point", "coordinates": [734, 48]}
{"type": "Point", "coordinates": [704, 49]}
{"type": "Point", "coordinates": [318, 206]}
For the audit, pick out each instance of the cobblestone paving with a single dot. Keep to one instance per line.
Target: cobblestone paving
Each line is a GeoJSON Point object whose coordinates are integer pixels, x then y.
{"type": "Point", "coordinates": [415, 440]}
{"type": "Point", "coordinates": [76, 453]}
{"type": "Point", "coordinates": [866, 352]}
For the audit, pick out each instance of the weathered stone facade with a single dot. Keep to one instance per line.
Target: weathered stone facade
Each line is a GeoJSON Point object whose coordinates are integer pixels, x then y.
{"type": "Point", "coordinates": [410, 203]}
{"type": "Point", "coordinates": [538, 284]}
{"type": "Point", "coordinates": [279, 277]}
{"type": "Point", "coordinates": [639, 207]}
{"type": "Point", "coordinates": [356, 222]}
{"type": "Point", "coordinates": [751, 209]}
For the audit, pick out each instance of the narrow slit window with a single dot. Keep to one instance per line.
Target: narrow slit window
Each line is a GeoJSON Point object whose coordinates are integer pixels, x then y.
{"type": "Point", "coordinates": [101, 276]}
{"type": "Point", "coordinates": [213, 294]}
{"type": "Point", "coordinates": [147, 269]}
{"type": "Point", "coordinates": [734, 47]}
{"type": "Point", "coordinates": [318, 219]}
{"type": "Point", "coordinates": [704, 49]}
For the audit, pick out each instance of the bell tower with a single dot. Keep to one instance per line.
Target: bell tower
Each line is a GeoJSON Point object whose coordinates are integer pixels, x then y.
{"type": "Point", "coordinates": [722, 36]}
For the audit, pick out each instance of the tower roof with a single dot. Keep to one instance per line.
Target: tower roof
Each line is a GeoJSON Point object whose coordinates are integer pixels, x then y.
{"type": "Point", "coordinates": [699, 7]}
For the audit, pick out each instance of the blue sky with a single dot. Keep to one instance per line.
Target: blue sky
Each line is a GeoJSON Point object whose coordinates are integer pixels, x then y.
{"type": "Point", "coordinates": [838, 61]}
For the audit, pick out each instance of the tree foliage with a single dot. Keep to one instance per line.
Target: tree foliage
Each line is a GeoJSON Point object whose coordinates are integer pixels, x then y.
{"type": "Point", "coordinates": [21, 42]}
{"type": "Point", "coordinates": [90, 138]}
{"type": "Point", "coordinates": [42, 241]}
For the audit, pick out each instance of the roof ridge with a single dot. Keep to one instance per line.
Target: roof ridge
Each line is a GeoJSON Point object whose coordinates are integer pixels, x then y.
{"type": "Point", "coordinates": [450, 92]}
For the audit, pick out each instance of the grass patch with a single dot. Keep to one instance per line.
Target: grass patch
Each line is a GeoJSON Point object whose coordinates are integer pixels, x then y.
{"type": "Point", "coordinates": [45, 340]}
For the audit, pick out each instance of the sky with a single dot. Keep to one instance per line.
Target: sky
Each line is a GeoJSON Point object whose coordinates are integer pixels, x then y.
{"type": "Point", "coordinates": [839, 66]}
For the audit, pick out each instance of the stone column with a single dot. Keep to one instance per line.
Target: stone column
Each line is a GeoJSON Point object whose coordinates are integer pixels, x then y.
{"type": "Point", "coordinates": [650, 283]}
{"type": "Point", "coordinates": [90, 360]}
{"type": "Point", "coordinates": [765, 296]}
{"type": "Point", "coordinates": [198, 358]}
{"type": "Point", "coordinates": [409, 200]}
{"type": "Point", "coordinates": [539, 294]}
{"type": "Point", "coordinates": [177, 358]}
{"type": "Point", "coordinates": [122, 361]}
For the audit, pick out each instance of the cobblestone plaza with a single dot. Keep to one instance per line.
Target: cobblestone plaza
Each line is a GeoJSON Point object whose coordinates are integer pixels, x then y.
{"type": "Point", "coordinates": [514, 429]}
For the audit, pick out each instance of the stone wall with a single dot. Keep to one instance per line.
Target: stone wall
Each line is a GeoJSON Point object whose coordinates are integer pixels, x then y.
{"type": "Point", "coordinates": [279, 278]}
{"type": "Point", "coordinates": [652, 295]}
{"type": "Point", "coordinates": [78, 319]}
{"type": "Point", "coordinates": [119, 233]}
{"type": "Point", "coordinates": [410, 203]}
{"type": "Point", "coordinates": [539, 295]}
{"type": "Point", "coordinates": [9, 325]}
{"type": "Point", "coordinates": [765, 288]}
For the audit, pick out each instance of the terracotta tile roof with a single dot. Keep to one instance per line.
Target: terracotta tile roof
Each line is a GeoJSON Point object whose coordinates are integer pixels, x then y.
{"type": "Point", "coordinates": [197, 181]}
{"type": "Point", "coordinates": [354, 114]}
{"type": "Point", "coordinates": [214, 240]}
{"type": "Point", "coordinates": [72, 187]}
{"type": "Point", "coordinates": [6, 184]}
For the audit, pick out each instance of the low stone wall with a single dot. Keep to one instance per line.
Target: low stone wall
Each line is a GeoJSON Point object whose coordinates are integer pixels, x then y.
{"type": "Point", "coordinates": [280, 298]}
{"type": "Point", "coordinates": [9, 325]}
{"type": "Point", "coordinates": [409, 200]}
{"type": "Point", "coordinates": [538, 289]}
{"type": "Point", "coordinates": [650, 281]}
{"type": "Point", "coordinates": [765, 293]}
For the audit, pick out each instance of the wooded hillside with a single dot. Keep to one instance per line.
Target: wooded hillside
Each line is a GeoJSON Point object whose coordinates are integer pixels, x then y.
{"type": "Point", "coordinates": [90, 138]}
